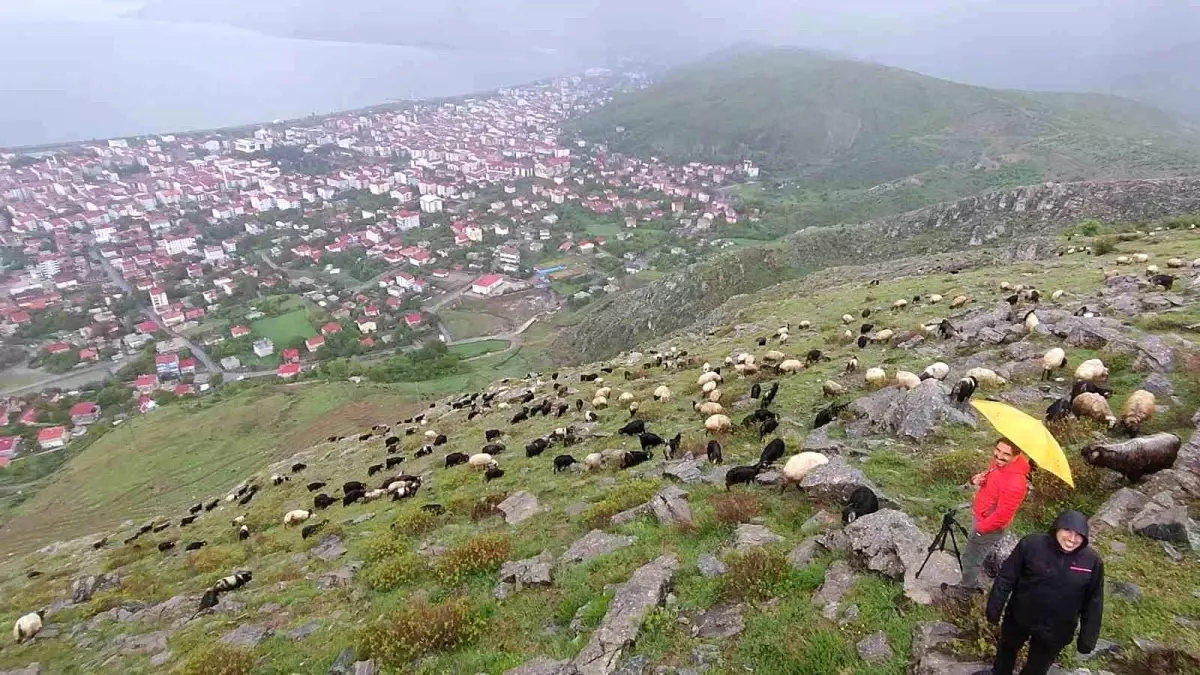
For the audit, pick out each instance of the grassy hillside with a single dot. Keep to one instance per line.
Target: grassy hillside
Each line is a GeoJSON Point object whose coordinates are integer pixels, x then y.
{"type": "Point", "coordinates": [850, 124]}
{"type": "Point", "coordinates": [420, 598]}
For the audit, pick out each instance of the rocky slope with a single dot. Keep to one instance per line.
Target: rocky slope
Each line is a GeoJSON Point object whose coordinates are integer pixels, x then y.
{"type": "Point", "coordinates": [655, 568]}
{"type": "Point", "coordinates": [1019, 221]}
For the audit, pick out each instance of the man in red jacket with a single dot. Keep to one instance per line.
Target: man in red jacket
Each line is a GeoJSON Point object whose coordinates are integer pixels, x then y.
{"type": "Point", "coordinates": [1001, 490]}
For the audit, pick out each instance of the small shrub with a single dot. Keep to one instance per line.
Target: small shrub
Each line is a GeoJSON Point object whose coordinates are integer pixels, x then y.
{"type": "Point", "coordinates": [392, 572]}
{"type": "Point", "coordinates": [623, 498]}
{"type": "Point", "coordinates": [218, 659]}
{"type": "Point", "coordinates": [1050, 495]}
{"type": "Point", "coordinates": [754, 574]}
{"type": "Point", "coordinates": [1089, 227]}
{"type": "Point", "coordinates": [383, 546]}
{"type": "Point", "coordinates": [1104, 246]}
{"type": "Point", "coordinates": [422, 628]}
{"type": "Point", "coordinates": [1157, 662]}
{"type": "Point", "coordinates": [478, 555]}
{"type": "Point", "coordinates": [214, 558]}
{"type": "Point", "coordinates": [414, 523]}
{"type": "Point", "coordinates": [730, 508]}
{"type": "Point", "coordinates": [956, 466]}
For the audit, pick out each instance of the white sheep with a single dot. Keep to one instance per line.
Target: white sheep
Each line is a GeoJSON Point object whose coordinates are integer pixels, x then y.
{"type": "Point", "coordinates": [1138, 408]}
{"type": "Point", "coordinates": [708, 409]}
{"type": "Point", "coordinates": [1175, 263]}
{"type": "Point", "coordinates": [430, 433]}
{"type": "Point", "coordinates": [480, 461]}
{"type": "Point", "coordinates": [1052, 360]}
{"type": "Point", "coordinates": [899, 305]}
{"type": "Point", "coordinates": [1092, 370]}
{"type": "Point", "coordinates": [604, 392]}
{"type": "Point", "coordinates": [1005, 286]}
{"type": "Point", "coordinates": [847, 319]}
{"type": "Point", "coordinates": [599, 403]}
{"type": "Point", "coordinates": [798, 466]}
{"type": "Point", "coordinates": [1124, 260]}
{"type": "Point", "coordinates": [593, 460]}
{"type": "Point", "coordinates": [1141, 258]}
{"type": "Point", "coordinates": [831, 388]}
{"type": "Point", "coordinates": [708, 386]}
{"type": "Point", "coordinates": [884, 335]}
{"type": "Point", "coordinates": [625, 398]}
{"type": "Point", "coordinates": [791, 366]}
{"type": "Point", "coordinates": [715, 395]}
{"type": "Point", "coordinates": [1057, 295]}
{"type": "Point", "coordinates": [773, 356]}
{"type": "Point", "coordinates": [372, 495]}
{"type": "Point", "coordinates": [958, 301]}
{"type": "Point", "coordinates": [662, 393]}
{"type": "Point", "coordinates": [718, 423]}
{"type": "Point", "coordinates": [1151, 270]}
{"type": "Point", "coordinates": [847, 335]}
{"type": "Point", "coordinates": [986, 376]}
{"type": "Point", "coordinates": [935, 299]}
{"type": "Point", "coordinates": [1031, 321]}
{"type": "Point", "coordinates": [705, 378]}
{"type": "Point", "coordinates": [875, 376]}
{"type": "Point", "coordinates": [907, 380]}
{"type": "Point", "coordinates": [295, 517]}
{"type": "Point", "coordinates": [28, 626]}
{"type": "Point", "coordinates": [1093, 406]}
{"type": "Point", "coordinates": [805, 325]}
{"type": "Point", "coordinates": [935, 371]}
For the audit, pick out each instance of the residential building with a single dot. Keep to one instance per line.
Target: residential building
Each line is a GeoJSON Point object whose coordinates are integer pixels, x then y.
{"type": "Point", "coordinates": [488, 284]}
{"type": "Point", "coordinates": [52, 438]}
{"type": "Point", "coordinates": [263, 348]}
{"type": "Point", "coordinates": [84, 412]}
{"type": "Point", "coordinates": [289, 370]}
{"type": "Point", "coordinates": [166, 364]}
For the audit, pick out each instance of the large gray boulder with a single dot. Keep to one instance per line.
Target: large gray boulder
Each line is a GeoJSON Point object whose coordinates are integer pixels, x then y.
{"type": "Point", "coordinates": [839, 579]}
{"type": "Point", "coordinates": [246, 636]}
{"type": "Point", "coordinates": [518, 507]}
{"type": "Point", "coordinates": [330, 548]}
{"type": "Point", "coordinates": [1164, 520]}
{"type": "Point", "coordinates": [593, 544]}
{"type": "Point", "coordinates": [929, 654]}
{"type": "Point", "coordinates": [833, 482]}
{"type": "Point", "coordinates": [619, 628]}
{"type": "Point", "coordinates": [1115, 512]}
{"type": "Point", "coordinates": [687, 471]}
{"type": "Point", "coordinates": [671, 508]}
{"type": "Point", "coordinates": [749, 535]}
{"type": "Point", "coordinates": [913, 414]}
{"type": "Point", "coordinates": [875, 649]}
{"type": "Point", "coordinates": [719, 622]}
{"type": "Point", "coordinates": [891, 543]}
{"type": "Point", "coordinates": [518, 574]}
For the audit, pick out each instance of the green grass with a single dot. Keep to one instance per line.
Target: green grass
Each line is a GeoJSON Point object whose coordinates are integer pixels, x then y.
{"type": "Point", "coordinates": [185, 454]}
{"type": "Point", "coordinates": [474, 322]}
{"type": "Point", "coordinates": [284, 328]}
{"type": "Point", "coordinates": [473, 349]}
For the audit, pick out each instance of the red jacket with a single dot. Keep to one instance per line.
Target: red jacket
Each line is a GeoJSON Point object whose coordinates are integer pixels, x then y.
{"type": "Point", "coordinates": [1000, 495]}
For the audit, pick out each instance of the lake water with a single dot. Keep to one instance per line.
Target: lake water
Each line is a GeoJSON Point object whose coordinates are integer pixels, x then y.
{"type": "Point", "coordinates": [67, 81]}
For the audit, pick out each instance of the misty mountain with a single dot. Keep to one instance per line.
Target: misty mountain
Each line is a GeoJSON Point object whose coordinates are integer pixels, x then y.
{"type": "Point", "coordinates": [850, 124]}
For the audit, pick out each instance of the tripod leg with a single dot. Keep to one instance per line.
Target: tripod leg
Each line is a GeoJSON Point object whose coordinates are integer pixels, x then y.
{"type": "Point", "coordinates": [938, 544]}
{"type": "Point", "coordinates": [957, 555]}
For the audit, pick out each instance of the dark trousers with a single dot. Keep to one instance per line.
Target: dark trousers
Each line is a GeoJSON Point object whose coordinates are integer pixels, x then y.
{"type": "Point", "coordinates": [1013, 636]}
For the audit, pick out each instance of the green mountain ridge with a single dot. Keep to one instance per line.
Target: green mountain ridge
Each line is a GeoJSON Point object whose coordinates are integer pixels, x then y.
{"type": "Point", "coordinates": [839, 123]}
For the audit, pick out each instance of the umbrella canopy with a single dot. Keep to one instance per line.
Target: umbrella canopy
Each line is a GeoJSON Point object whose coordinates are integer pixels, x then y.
{"type": "Point", "coordinates": [1030, 435]}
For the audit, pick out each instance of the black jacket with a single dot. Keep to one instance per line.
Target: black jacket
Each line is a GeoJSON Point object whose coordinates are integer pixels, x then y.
{"type": "Point", "coordinates": [1052, 591]}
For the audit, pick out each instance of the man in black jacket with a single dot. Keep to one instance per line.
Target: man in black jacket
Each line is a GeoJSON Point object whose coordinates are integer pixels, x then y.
{"type": "Point", "coordinates": [1056, 582]}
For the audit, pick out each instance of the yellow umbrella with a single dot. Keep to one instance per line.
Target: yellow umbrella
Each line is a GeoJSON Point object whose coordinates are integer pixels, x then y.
{"type": "Point", "coordinates": [1030, 435]}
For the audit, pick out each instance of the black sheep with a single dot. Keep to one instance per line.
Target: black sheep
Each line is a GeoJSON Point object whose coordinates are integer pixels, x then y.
{"type": "Point", "coordinates": [309, 530]}
{"type": "Point", "coordinates": [771, 453]}
{"type": "Point", "coordinates": [316, 485]}
{"type": "Point", "coordinates": [866, 313]}
{"type": "Point", "coordinates": [1136, 457]}
{"type": "Point", "coordinates": [146, 528]}
{"type": "Point", "coordinates": [352, 485]}
{"type": "Point", "coordinates": [391, 441]}
{"type": "Point", "coordinates": [424, 451]}
{"type": "Point", "coordinates": [298, 467]}
{"type": "Point", "coordinates": [635, 457]}
{"type": "Point", "coordinates": [196, 508]}
{"type": "Point", "coordinates": [560, 409]}
{"type": "Point", "coordinates": [963, 389]}
{"type": "Point", "coordinates": [755, 390]}
{"type": "Point", "coordinates": [768, 426]}
{"type": "Point", "coordinates": [588, 377]}
{"type": "Point", "coordinates": [246, 499]}
{"type": "Point", "coordinates": [946, 329]}
{"type": "Point", "coordinates": [353, 496]}
{"type": "Point", "coordinates": [606, 369]}
{"type": "Point", "coordinates": [243, 533]}
{"type": "Point", "coordinates": [649, 440]}
{"type": "Point", "coordinates": [99, 544]}
{"type": "Point", "coordinates": [757, 417]}
{"type": "Point", "coordinates": [813, 356]}
{"type": "Point", "coordinates": [866, 328]}
{"type": "Point", "coordinates": [195, 545]}
{"type": "Point", "coordinates": [490, 435]}
{"type": "Point", "coordinates": [762, 342]}
{"type": "Point", "coordinates": [374, 469]}
{"type": "Point", "coordinates": [519, 417]}
{"type": "Point", "coordinates": [164, 546]}
{"type": "Point", "coordinates": [740, 474]}
{"type": "Point", "coordinates": [323, 501]}
{"type": "Point", "coordinates": [472, 415]}
{"type": "Point", "coordinates": [714, 452]}
{"type": "Point", "coordinates": [160, 528]}
{"type": "Point", "coordinates": [492, 473]}
{"type": "Point", "coordinates": [1164, 280]}
{"type": "Point", "coordinates": [212, 505]}
{"type": "Point", "coordinates": [633, 427]}
{"type": "Point", "coordinates": [493, 448]}
{"type": "Point", "coordinates": [1059, 410]}
{"type": "Point", "coordinates": [578, 404]}
{"type": "Point", "coordinates": [1084, 386]}
{"type": "Point", "coordinates": [440, 440]}
{"type": "Point", "coordinates": [456, 458]}
{"type": "Point", "coordinates": [393, 461]}
{"type": "Point", "coordinates": [861, 502]}
{"type": "Point", "coordinates": [863, 341]}
{"type": "Point", "coordinates": [828, 414]}
{"type": "Point", "coordinates": [536, 447]}
{"type": "Point", "coordinates": [364, 437]}
{"type": "Point", "coordinates": [187, 520]}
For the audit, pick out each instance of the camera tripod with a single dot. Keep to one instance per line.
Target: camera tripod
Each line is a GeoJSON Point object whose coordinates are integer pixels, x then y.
{"type": "Point", "coordinates": [949, 525]}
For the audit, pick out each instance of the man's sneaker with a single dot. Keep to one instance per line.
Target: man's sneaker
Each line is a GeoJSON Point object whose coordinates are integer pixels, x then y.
{"type": "Point", "coordinates": [960, 591]}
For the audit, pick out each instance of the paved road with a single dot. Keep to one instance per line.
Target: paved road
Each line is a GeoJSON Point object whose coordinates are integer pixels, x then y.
{"type": "Point", "coordinates": [68, 380]}
{"type": "Point", "coordinates": [119, 280]}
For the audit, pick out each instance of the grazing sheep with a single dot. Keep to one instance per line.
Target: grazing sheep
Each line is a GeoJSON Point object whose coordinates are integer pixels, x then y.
{"type": "Point", "coordinates": [1141, 258]}
{"type": "Point", "coordinates": [1092, 370]}
{"type": "Point", "coordinates": [1059, 410]}
{"type": "Point", "coordinates": [714, 376]}
{"type": "Point", "coordinates": [875, 377]}
{"type": "Point", "coordinates": [828, 414]}
{"type": "Point", "coordinates": [632, 428]}
{"type": "Point", "coordinates": [662, 394]}
{"type": "Point", "coordinates": [1031, 321]}
{"type": "Point", "coordinates": [374, 469]}
{"type": "Point", "coordinates": [314, 486]}
{"type": "Point", "coordinates": [649, 440]}
{"type": "Point", "coordinates": [768, 426]}
{"type": "Point", "coordinates": [986, 376]}
{"type": "Point", "coordinates": [1137, 457]}
{"type": "Point", "coordinates": [831, 388]}
{"type": "Point", "coordinates": [847, 319]}
{"type": "Point", "coordinates": [963, 389]}
{"type": "Point", "coordinates": [562, 462]}
{"type": "Point", "coordinates": [160, 528]}
{"type": "Point", "coordinates": [211, 505]}
{"type": "Point", "coordinates": [958, 301]}
{"type": "Point", "coordinates": [769, 397]}
{"type": "Point", "coordinates": [456, 458]}
{"type": "Point", "coordinates": [277, 479]}
{"type": "Point", "coordinates": [187, 520]}
{"type": "Point", "coordinates": [899, 305]}
{"type": "Point", "coordinates": [323, 501]}
{"type": "Point", "coordinates": [935, 371]}
{"type": "Point", "coordinates": [372, 495]}
{"type": "Point", "coordinates": [708, 386]}
{"type": "Point", "coordinates": [28, 626]}
{"type": "Point", "coordinates": [353, 496]}
{"type": "Point", "coordinates": [440, 440]}
{"type": "Point", "coordinates": [298, 467]}
{"type": "Point", "coordinates": [481, 461]}
{"type": "Point", "coordinates": [296, 516]}
{"type": "Point", "coordinates": [1164, 280]}
{"type": "Point", "coordinates": [243, 533]}
{"type": "Point", "coordinates": [424, 451]}
{"type": "Point", "coordinates": [708, 408]}
{"type": "Point", "coordinates": [1175, 263]}
{"type": "Point", "coordinates": [884, 336]}
{"type": "Point", "coordinates": [490, 435]}
{"type": "Point", "coordinates": [1138, 408]}
{"type": "Point", "coordinates": [863, 341]}
{"type": "Point", "coordinates": [861, 502]}
{"type": "Point", "coordinates": [634, 457]}
{"type": "Point", "coordinates": [593, 460]}
{"type": "Point", "coordinates": [309, 530]}
{"type": "Point", "coordinates": [625, 398]}
{"type": "Point", "coordinates": [492, 473]}
{"type": "Point", "coordinates": [713, 451]}
{"type": "Point", "coordinates": [195, 545]}
{"type": "Point", "coordinates": [718, 424]}
{"type": "Point", "coordinates": [715, 395]}
{"type": "Point", "coordinates": [164, 546]}
{"type": "Point", "coordinates": [851, 365]}
{"type": "Point", "coordinates": [1082, 386]}
{"type": "Point", "coordinates": [1094, 407]}
{"type": "Point", "coordinates": [812, 357]}
{"type": "Point", "coordinates": [798, 466]}
{"type": "Point", "coordinates": [772, 452]}
{"type": "Point", "coordinates": [1052, 360]}
{"type": "Point", "coordinates": [536, 447]}
{"type": "Point", "coordinates": [935, 299]}
{"type": "Point", "coordinates": [791, 366]}
{"type": "Point", "coordinates": [353, 485]}
{"type": "Point", "coordinates": [196, 508]}
{"type": "Point", "coordinates": [741, 474]}
{"type": "Point", "coordinates": [907, 380]}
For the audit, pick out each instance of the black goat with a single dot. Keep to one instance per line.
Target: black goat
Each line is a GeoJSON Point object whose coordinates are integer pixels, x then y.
{"type": "Point", "coordinates": [456, 458]}
{"type": "Point", "coordinates": [393, 461]}
{"type": "Point", "coordinates": [755, 390]}
{"type": "Point", "coordinates": [536, 447]}
{"type": "Point", "coordinates": [315, 485]}
{"type": "Point", "coordinates": [298, 467]}
{"type": "Point", "coordinates": [353, 496]}
{"type": "Point", "coordinates": [769, 425]}
{"type": "Point", "coordinates": [492, 473]}
{"type": "Point", "coordinates": [740, 474]}
{"type": "Point", "coordinates": [195, 545]}
{"type": "Point", "coordinates": [309, 530]}
{"type": "Point", "coordinates": [490, 435]}
{"type": "Point", "coordinates": [714, 452]}
{"type": "Point", "coordinates": [562, 462]}
{"type": "Point", "coordinates": [649, 440]}
{"type": "Point", "coordinates": [862, 502]}
{"type": "Point", "coordinates": [771, 453]}
{"type": "Point", "coordinates": [374, 469]}
{"type": "Point", "coordinates": [632, 428]}
{"type": "Point", "coordinates": [352, 486]}
{"type": "Point", "coordinates": [323, 501]}
{"type": "Point", "coordinates": [828, 414]}
{"type": "Point", "coordinates": [187, 520]}
{"type": "Point", "coordinates": [635, 457]}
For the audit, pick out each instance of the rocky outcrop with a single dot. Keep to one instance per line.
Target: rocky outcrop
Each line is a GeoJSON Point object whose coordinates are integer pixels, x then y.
{"type": "Point", "coordinates": [1021, 222]}
{"type": "Point", "coordinates": [891, 543]}
{"type": "Point", "coordinates": [619, 628]}
{"type": "Point", "coordinates": [912, 415]}
{"type": "Point", "coordinates": [749, 535]}
{"type": "Point", "coordinates": [833, 482]}
{"type": "Point", "coordinates": [593, 544]}
{"type": "Point", "coordinates": [839, 579]}
{"type": "Point", "coordinates": [1115, 512]}
{"type": "Point", "coordinates": [875, 649]}
{"type": "Point", "coordinates": [518, 574]}
{"type": "Point", "coordinates": [518, 507]}
{"type": "Point", "coordinates": [930, 654]}
{"type": "Point", "coordinates": [1162, 519]}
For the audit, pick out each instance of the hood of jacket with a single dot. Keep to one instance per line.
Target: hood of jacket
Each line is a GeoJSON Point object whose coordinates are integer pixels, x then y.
{"type": "Point", "coordinates": [1074, 521]}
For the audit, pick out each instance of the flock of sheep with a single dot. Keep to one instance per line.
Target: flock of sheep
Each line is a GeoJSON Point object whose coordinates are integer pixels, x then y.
{"type": "Point", "coordinates": [516, 400]}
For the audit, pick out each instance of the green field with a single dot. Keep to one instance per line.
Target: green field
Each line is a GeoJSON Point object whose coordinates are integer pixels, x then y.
{"type": "Point", "coordinates": [412, 559]}
{"type": "Point", "coordinates": [283, 329]}
{"type": "Point", "coordinates": [473, 349]}
{"type": "Point", "coordinates": [474, 321]}
{"type": "Point", "coordinates": [605, 229]}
